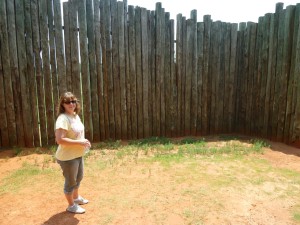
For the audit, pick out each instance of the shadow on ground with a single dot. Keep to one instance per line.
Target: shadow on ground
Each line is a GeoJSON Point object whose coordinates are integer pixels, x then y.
{"type": "Point", "coordinates": [62, 218]}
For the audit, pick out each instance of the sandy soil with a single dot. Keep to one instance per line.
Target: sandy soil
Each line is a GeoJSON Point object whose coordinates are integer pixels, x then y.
{"type": "Point", "coordinates": [139, 195]}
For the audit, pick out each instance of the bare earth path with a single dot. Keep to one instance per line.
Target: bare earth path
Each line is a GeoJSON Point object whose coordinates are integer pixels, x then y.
{"type": "Point", "coordinates": [142, 193]}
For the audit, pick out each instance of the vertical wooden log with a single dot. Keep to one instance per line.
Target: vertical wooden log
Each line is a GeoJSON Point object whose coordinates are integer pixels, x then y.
{"type": "Point", "coordinates": [173, 106]}
{"type": "Point", "coordinates": [145, 70]}
{"type": "Point", "coordinates": [258, 76]}
{"type": "Point", "coordinates": [274, 46]}
{"type": "Point", "coordinates": [257, 71]}
{"type": "Point", "coordinates": [167, 77]}
{"type": "Point", "coordinates": [226, 67]}
{"type": "Point", "coordinates": [205, 95]}
{"type": "Point", "coordinates": [293, 76]}
{"type": "Point", "coordinates": [221, 84]}
{"type": "Point", "coordinates": [219, 80]}
{"type": "Point", "coordinates": [292, 90]}
{"type": "Point", "coordinates": [246, 80]}
{"type": "Point", "coordinates": [104, 29]}
{"type": "Point", "coordinates": [179, 70]}
{"type": "Point", "coordinates": [252, 41]}
{"type": "Point", "coordinates": [60, 59]}
{"type": "Point", "coordinates": [158, 69]}
{"type": "Point", "coordinates": [15, 71]}
{"type": "Point", "coordinates": [264, 72]}
{"type": "Point", "coordinates": [26, 110]}
{"type": "Point", "coordinates": [279, 55]}
{"type": "Point", "coordinates": [296, 71]}
{"type": "Point", "coordinates": [217, 85]}
{"type": "Point", "coordinates": [98, 62]}
{"type": "Point", "coordinates": [267, 72]}
{"type": "Point", "coordinates": [110, 81]}
{"type": "Point", "coordinates": [67, 38]}
{"type": "Point", "coordinates": [237, 80]}
{"type": "Point", "coordinates": [232, 75]}
{"type": "Point", "coordinates": [91, 33]}
{"type": "Point", "coordinates": [122, 69]}
{"type": "Point", "coordinates": [194, 86]}
{"type": "Point", "coordinates": [213, 75]}
{"type": "Point", "coordinates": [109, 67]}
{"type": "Point", "coordinates": [46, 71]}
{"type": "Point", "coordinates": [151, 49]}
{"type": "Point", "coordinates": [211, 81]}
{"type": "Point", "coordinates": [31, 74]}
{"type": "Point", "coordinates": [74, 51]}
{"type": "Point", "coordinates": [85, 73]}
{"type": "Point", "coordinates": [38, 72]}
{"type": "Point", "coordinates": [116, 67]}
{"type": "Point", "coordinates": [285, 112]}
{"type": "Point", "coordinates": [7, 79]}
{"type": "Point", "coordinates": [188, 78]}
{"type": "Point", "coordinates": [127, 79]}
{"type": "Point", "coordinates": [4, 135]}
{"type": "Point", "coordinates": [172, 97]}
{"type": "Point", "coordinates": [183, 75]}
{"type": "Point", "coordinates": [200, 58]}
{"type": "Point", "coordinates": [132, 71]}
{"type": "Point", "coordinates": [271, 72]}
{"type": "Point", "coordinates": [283, 62]}
{"type": "Point", "coordinates": [139, 75]}
{"type": "Point", "coordinates": [162, 27]}
{"type": "Point", "coordinates": [52, 57]}
{"type": "Point", "coordinates": [240, 79]}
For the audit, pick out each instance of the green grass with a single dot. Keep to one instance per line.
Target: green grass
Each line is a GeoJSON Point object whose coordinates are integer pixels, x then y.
{"type": "Point", "coordinates": [297, 217]}
{"type": "Point", "coordinates": [27, 175]}
{"type": "Point", "coordinates": [167, 151]}
{"type": "Point", "coordinates": [150, 141]}
{"type": "Point", "coordinates": [110, 144]}
{"type": "Point", "coordinates": [258, 145]}
{"type": "Point", "coordinates": [192, 140]}
{"type": "Point", "coordinates": [296, 213]}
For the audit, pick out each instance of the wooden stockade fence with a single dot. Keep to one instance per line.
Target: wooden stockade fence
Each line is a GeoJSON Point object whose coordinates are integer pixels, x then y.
{"type": "Point", "coordinates": [137, 77]}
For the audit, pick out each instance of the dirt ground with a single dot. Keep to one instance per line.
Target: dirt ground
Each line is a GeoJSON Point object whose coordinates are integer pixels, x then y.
{"type": "Point", "coordinates": [145, 199]}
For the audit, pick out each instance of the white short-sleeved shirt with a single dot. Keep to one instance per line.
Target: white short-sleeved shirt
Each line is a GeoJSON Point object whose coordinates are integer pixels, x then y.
{"type": "Point", "coordinates": [75, 130]}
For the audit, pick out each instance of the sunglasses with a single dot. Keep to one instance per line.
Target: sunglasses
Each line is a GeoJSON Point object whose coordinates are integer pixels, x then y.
{"type": "Point", "coordinates": [69, 102]}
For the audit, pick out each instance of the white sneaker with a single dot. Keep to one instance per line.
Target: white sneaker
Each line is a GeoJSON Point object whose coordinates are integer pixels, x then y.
{"type": "Point", "coordinates": [75, 208]}
{"type": "Point", "coordinates": [81, 201]}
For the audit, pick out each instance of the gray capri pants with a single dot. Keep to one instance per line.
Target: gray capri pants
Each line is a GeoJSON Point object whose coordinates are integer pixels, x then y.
{"type": "Point", "coordinates": [73, 173]}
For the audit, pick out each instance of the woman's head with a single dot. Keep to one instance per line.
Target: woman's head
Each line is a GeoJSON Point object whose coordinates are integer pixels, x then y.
{"type": "Point", "coordinates": [66, 102]}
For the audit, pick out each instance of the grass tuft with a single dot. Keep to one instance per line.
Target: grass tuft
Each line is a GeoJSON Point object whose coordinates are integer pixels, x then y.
{"type": "Point", "coordinates": [17, 151]}
{"type": "Point", "coordinates": [110, 144]}
{"type": "Point", "coordinates": [258, 145]}
{"type": "Point", "coordinates": [192, 140]}
{"type": "Point", "coordinates": [151, 141]}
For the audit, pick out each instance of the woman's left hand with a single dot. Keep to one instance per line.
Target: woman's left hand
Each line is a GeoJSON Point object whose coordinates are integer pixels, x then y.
{"type": "Point", "coordinates": [86, 143]}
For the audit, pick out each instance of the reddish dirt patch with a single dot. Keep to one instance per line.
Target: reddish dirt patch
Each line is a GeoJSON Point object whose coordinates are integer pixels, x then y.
{"type": "Point", "coordinates": [283, 156]}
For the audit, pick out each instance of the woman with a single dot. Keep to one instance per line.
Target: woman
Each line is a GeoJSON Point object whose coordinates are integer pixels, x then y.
{"type": "Point", "coordinates": [69, 135]}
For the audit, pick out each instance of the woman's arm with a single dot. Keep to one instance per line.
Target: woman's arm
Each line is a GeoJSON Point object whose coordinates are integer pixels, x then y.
{"type": "Point", "coordinates": [60, 138]}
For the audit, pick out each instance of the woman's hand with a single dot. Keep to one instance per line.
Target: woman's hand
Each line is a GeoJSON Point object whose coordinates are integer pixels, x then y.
{"type": "Point", "coordinates": [86, 143]}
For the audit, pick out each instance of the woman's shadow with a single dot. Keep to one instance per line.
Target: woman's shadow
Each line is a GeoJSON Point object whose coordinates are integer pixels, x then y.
{"type": "Point", "coordinates": [62, 218]}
